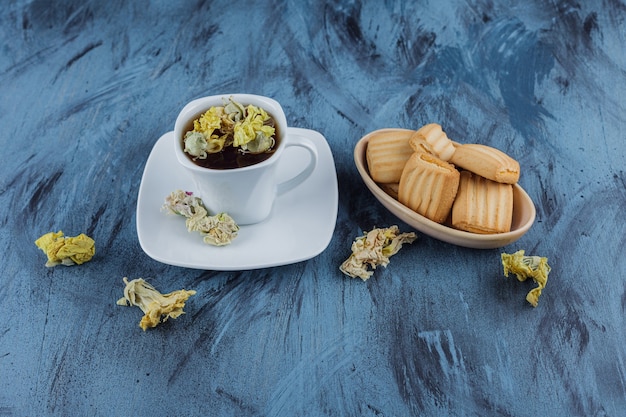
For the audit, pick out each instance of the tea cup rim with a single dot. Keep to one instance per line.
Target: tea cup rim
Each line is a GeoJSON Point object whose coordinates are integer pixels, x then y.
{"type": "Point", "coordinates": [196, 106]}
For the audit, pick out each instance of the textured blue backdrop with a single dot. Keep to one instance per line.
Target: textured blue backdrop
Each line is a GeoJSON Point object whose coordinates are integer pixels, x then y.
{"type": "Point", "coordinates": [89, 86]}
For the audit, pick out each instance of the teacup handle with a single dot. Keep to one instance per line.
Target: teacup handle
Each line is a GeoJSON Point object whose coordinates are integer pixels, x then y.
{"type": "Point", "coordinates": [306, 143]}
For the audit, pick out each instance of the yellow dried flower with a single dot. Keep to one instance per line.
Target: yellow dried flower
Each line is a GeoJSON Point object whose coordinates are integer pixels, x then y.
{"type": "Point", "coordinates": [246, 131]}
{"type": "Point", "coordinates": [374, 248]}
{"type": "Point", "coordinates": [524, 267]}
{"type": "Point", "coordinates": [209, 121]}
{"type": "Point", "coordinates": [157, 307]}
{"type": "Point", "coordinates": [230, 125]}
{"type": "Point", "coordinates": [62, 250]}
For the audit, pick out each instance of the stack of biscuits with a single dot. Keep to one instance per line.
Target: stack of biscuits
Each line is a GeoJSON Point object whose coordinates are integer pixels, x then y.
{"type": "Point", "coordinates": [468, 185]}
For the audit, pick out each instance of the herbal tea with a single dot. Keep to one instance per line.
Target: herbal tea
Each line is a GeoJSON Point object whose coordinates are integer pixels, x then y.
{"type": "Point", "coordinates": [231, 136]}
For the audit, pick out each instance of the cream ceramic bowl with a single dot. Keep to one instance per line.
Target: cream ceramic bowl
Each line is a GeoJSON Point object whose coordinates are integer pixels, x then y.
{"type": "Point", "coordinates": [523, 211]}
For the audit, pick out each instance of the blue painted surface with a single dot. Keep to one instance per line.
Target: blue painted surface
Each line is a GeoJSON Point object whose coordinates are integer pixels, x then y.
{"type": "Point", "coordinates": [89, 86]}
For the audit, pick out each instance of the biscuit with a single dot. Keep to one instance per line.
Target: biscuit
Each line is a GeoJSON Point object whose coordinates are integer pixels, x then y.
{"type": "Point", "coordinates": [432, 139]}
{"type": "Point", "coordinates": [482, 205]}
{"type": "Point", "coordinates": [387, 152]}
{"type": "Point", "coordinates": [487, 162]}
{"type": "Point", "coordinates": [428, 186]}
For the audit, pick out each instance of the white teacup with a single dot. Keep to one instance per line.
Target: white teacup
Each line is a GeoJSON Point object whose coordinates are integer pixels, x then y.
{"type": "Point", "coordinates": [247, 194]}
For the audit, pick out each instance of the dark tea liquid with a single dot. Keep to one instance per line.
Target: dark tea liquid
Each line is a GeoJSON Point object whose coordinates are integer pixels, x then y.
{"type": "Point", "coordinates": [232, 157]}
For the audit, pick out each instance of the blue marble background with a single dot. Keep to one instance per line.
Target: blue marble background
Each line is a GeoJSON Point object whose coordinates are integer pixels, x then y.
{"type": "Point", "coordinates": [89, 86]}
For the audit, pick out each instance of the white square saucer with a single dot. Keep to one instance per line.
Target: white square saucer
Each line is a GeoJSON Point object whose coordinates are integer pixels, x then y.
{"type": "Point", "coordinates": [299, 227]}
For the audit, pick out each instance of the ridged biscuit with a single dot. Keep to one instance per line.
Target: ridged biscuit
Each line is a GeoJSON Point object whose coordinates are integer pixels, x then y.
{"type": "Point", "coordinates": [432, 139]}
{"type": "Point", "coordinates": [482, 206]}
{"type": "Point", "coordinates": [487, 162]}
{"type": "Point", "coordinates": [428, 186]}
{"type": "Point", "coordinates": [387, 152]}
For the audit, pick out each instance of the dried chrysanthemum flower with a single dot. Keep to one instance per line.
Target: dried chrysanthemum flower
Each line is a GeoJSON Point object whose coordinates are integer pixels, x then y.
{"type": "Point", "coordinates": [252, 134]}
{"type": "Point", "coordinates": [157, 307]}
{"type": "Point", "coordinates": [183, 203]}
{"type": "Point", "coordinates": [196, 144]}
{"type": "Point", "coordinates": [524, 267]}
{"type": "Point", "coordinates": [234, 111]}
{"type": "Point", "coordinates": [209, 121]}
{"type": "Point", "coordinates": [374, 248]}
{"type": "Point", "coordinates": [249, 128]}
{"type": "Point", "coordinates": [218, 230]}
{"type": "Point", "coordinates": [65, 250]}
